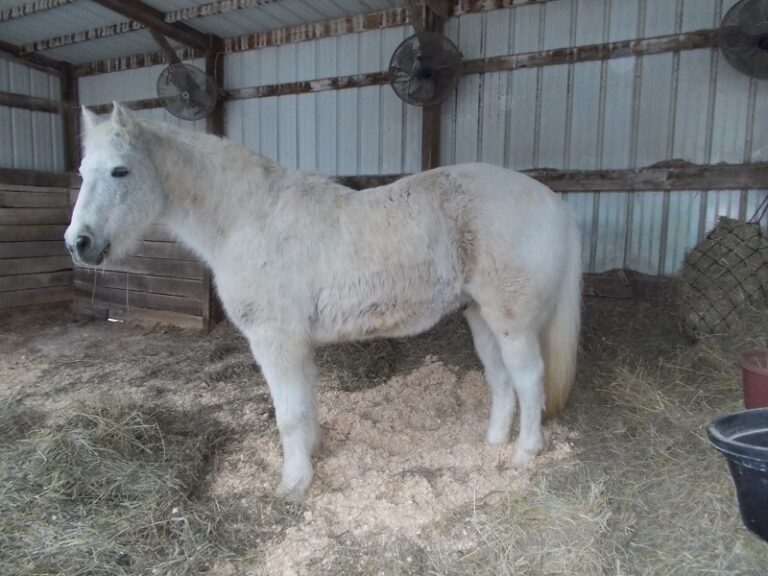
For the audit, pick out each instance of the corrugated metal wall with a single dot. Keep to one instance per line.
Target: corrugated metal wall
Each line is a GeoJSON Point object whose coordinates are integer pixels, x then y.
{"type": "Point", "coordinates": [30, 140]}
{"type": "Point", "coordinates": [354, 131]}
{"type": "Point", "coordinates": [622, 113]}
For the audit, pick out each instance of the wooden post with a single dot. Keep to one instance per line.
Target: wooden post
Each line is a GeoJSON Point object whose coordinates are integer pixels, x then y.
{"type": "Point", "coordinates": [430, 116]}
{"type": "Point", "coordinates": [71, 120]}
{"type": "Point", "coordinates": [213, 310]}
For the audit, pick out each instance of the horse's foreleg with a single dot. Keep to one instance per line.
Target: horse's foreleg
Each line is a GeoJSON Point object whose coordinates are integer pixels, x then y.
{"type": "Point", "coordinates": [497, 375]}
{"type": "Point", "coordinates": [288, 366]}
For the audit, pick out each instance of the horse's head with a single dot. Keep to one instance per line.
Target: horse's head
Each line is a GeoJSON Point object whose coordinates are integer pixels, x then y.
{"type": "Point", "coordinates": [121, 192]}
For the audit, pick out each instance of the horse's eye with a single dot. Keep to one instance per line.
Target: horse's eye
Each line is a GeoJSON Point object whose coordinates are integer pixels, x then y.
{"type": "Point", "coordinates": [120, 172]}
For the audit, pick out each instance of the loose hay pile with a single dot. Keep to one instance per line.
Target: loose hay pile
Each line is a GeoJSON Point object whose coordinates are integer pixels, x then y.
{"type": "Point", "coordinates": [110, 491]}
{"type": "Point", "coordinates": [723, 275]}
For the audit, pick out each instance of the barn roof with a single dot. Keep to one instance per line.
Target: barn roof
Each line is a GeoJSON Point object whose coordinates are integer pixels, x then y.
{"type": "Point", "coordinates": [85, 31]}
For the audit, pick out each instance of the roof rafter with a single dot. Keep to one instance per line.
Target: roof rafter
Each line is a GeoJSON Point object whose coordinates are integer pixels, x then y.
{"type": "Point", "coordinates": [31, 8]}
{"type": "Point", "coordinates": [155, 19]}
{"type": "Point", "coordinates": [12, 52]}
{"type": "Point", "coordinates": [181, 15]}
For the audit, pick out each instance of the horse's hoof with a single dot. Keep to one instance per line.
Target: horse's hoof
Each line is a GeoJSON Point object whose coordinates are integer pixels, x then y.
{"type": "Point", "coordinates": [496, 437]}
{"type": "Point", "coordinates": [294, 489]}
{"type": "Point", "coordinates": [524, 457]}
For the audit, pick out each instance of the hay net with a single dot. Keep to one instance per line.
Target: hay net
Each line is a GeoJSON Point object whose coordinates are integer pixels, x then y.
{"type": "Point", "coordinates": [724, 276]}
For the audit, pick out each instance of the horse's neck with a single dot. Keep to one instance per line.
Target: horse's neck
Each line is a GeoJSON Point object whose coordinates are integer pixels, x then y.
{"type": "Point", "coordinates": [211, 185]}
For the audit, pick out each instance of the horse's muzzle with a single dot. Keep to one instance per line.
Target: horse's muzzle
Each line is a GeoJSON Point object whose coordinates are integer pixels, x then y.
{"type": "Point", "coordinates": [86, 250]}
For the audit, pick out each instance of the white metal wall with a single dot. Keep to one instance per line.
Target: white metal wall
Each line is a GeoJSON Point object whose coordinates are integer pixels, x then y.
{"type": "Point", "coordinates": [354, 131]}
{"type": "Point", "coordinates": [622, 113]}
{"type": "Point", "coordinates": [30, 140]}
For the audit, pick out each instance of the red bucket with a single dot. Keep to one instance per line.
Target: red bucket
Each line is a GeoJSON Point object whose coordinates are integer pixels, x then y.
{"type": "Point", "coordinates": [754, 376]}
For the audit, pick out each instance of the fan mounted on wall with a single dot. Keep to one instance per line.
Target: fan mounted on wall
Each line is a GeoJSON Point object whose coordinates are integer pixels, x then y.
{"type": "Point", "coordinates": [425, 67]}
{"type": "Point", "coordinates": [186, 91]}
{"type": "Point", "coordinates": [744, 37]}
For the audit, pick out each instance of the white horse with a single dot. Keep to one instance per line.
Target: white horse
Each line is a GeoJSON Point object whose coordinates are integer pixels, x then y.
{"type": "Point", "coordinates": [300, 260]}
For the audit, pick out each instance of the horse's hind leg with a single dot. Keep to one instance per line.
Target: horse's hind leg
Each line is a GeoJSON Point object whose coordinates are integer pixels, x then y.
{"type": "Point", "coordinates": [288, 366]}
{"type": "Point", "coordinates": [521, 353]}
{"type": "Point", "coordinates": [499, 381]}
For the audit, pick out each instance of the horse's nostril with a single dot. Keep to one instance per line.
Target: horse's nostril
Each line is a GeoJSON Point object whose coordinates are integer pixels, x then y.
{"type": "Point", "coordinates": [83, 243]}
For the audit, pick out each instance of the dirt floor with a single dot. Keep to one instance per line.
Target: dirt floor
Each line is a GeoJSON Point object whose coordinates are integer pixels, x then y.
{"type": "Point", "coordinates": [403, 484]}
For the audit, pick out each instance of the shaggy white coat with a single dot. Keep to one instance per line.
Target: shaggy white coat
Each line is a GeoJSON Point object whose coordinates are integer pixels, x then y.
{"type": "Point", "coordinates": [300, 260]}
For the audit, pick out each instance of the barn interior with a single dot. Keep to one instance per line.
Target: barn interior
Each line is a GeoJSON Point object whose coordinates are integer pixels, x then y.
{"type": "Point", "coordinates": [137, 434]}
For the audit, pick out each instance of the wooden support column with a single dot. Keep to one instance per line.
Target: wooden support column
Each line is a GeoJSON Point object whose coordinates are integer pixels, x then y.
{"type": "Point", "coordinates": [71, 120]}
{"type": "Point", "coordinates": [213, 311]}
{"type": "Point", "coordinates": [430, 116]}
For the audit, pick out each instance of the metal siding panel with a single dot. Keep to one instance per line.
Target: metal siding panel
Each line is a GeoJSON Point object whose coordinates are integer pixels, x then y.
{"type": "Point", "coordinates": [6, 138]}
{"type": "Point", "coordinates": [498, 35]}
{"type": "Point", "coordinates": [590, 21]}
{"type": "Point", "coordinates": [266, 67]}
{"type": "Point", "coordinates": [682, 228]}
{"type": "Point", "coordinates": [287, 63]}
{"type": "Point", "coordinates": [348, 131]}
{"type": "Point", "coordinates": [42, 131]}
{"type": "Point", "coordinates": [412, 160]}
{"type": "Point", "coordinates": [644, 248]}
{"type": "Point", "coordinates": [233, 120]}
{"type": "Point", "coordinates": [327, 138]}
{"type": "Point", "coordinates": [692, 106]}
{"type": "Point", "coordinates": [5, 75]}
{"type": "Point", "coordinates": [307, 131]}
{"type": "Point", "coordinates": [467, 118]}
{"type": "Point", "coordinates": [730, 120]}
{"type": "Point", "coordinates": [617, 130]}
{"type": "Point", "coordinates": [23, 147]}
{"type": "Point", "coordinates": [326, 57]}
{"type": "Point", "coordinates": [370, 128]}
{"type": "Point", "coordinates": [624, 20]}
{"type": "Point", "coordinates": [699, 14]}
{"type": "Point", "coordinates": [391, 132]}
{"type": "Point", "coordinates": [269, 133]}
{"type": "Point", "coordinates": [370, 52]}
{"type": "Point", "coordinates": [759, 125]}
{"type": "Point", "coordinates": [471, 35]}
{"type": "Point", "coordinates": [57, 143]}
{"type": "Point", "coordinates": [611, 231]}
{"type": "Point", "coordinates": [522, 118]}
{"type": "Point", "coordinates": [582, 204]}
{"type": "Point", "coordinates": [287, 132]}
{"type": "Point", "coordinates": [527, 24]}
{"type": "Point", "coordinates": [305, 61]}
{"type": "Point", "coordinates": [721, 203]}
{"type": "Point", "coordinates": [552, 130]}
{"type": "Point", "coordinates": [557, 24]}
{"type": "Point", "coordinates": [755, 199]}
{"type": "Point", "coordinates": [349, 54]}
{"type": "Point", "coordinates": [494, 120]}
{"type": "Point", "coordinates": [660, 17]}
{"type": "Point", "coordinates": [653, 128]}
{"type": "Point", "coordinates": [583, 151]}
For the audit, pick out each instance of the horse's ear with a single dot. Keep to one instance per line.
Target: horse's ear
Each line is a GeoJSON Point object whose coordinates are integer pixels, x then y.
{"type": "Point", "coordinates": [123, 120]}
{"type": "Point", "coordinates": [89, 119]}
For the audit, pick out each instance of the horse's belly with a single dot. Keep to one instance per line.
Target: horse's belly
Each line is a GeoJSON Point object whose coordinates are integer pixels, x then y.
{"type": "Point", "coordinates": [343, 315]}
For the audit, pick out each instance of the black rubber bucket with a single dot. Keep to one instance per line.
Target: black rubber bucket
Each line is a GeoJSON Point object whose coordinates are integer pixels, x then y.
{"type": "Point", "coordinates": [743, 439]}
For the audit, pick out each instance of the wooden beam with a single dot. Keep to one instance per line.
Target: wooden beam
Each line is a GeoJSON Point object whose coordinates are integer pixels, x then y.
{"type": "Point", "coordinates": [31, 9]}
{"type": "Point", "coordinates": [155, 19]}
{"type": "Point", "coordinates": [592, 52]}
{"type": "Point", "coordinates": [12, 52]}
{"type": "Point", "coordinates": [26, 102]}
{"type": "Point", "coordinates": [430, 116]}
{"type": "Point", "coordinates": [674, 176]}
{"type": "Point", "coordinates": [303, 87]}
{"type": "Point", "coordinates": [134, 62]}
{"type": "Point", "coordinates": [71, 113]}
{"type": "Point", "coordinates": [18, 177]}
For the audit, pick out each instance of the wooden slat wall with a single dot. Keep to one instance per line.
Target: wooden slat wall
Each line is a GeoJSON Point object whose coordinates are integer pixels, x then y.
{"type": "Point", "coordinates": [160, 281]}
{"type": "Point", "coordinates": [35, 267]}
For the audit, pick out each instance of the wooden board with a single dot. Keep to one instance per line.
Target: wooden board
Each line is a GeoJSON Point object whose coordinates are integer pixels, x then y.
{"type": "Point", "coordinates": [19, 298]}
{"type": "Point", "coordinates": [26, 216]}
{"type": "Point", "coordinates": [32, 249]}
{"type": "Point", "coordinates": [141, 316]}
{"type": "Point", "coordinates": [184, 287]}
{"type": "Point", "coordinates": [13, 266]}
{"type": "Point", "coordinates": [30, 233]}
{"type": "Point", "coordinates": [31, 198]}
{"type": "Point", "coordinates": [157, 267]}
{"type": "Point", "coordinates": [138, 299]}
{"type": "Point", "coordinates": [40, 280]}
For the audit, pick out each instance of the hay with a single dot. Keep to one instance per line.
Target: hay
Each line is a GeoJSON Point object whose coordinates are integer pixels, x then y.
{"type": "Point", "coordinates": [357, 365]}
{"type": "Point", "coordinates": [114, 490]}
{"type": "Point", "coordinates": [725, 272]}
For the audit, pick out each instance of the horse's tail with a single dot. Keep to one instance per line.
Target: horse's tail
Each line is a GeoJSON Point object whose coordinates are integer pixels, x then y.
{"type": "Point", "coordinates": [560, 338]}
